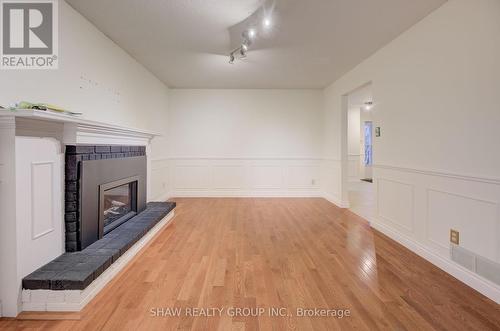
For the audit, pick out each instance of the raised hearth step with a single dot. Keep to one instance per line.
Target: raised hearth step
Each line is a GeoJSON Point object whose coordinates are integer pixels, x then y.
{"type": "Point", "coordinates": [75, 271]}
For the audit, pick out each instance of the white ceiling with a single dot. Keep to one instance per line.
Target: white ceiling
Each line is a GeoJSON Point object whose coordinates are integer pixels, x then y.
{"type": "Point", "coordinates": [312, 43]}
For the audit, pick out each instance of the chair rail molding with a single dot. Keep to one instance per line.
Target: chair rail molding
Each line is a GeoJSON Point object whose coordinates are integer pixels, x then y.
{"type": "Point", "coordinates": [441, 173]}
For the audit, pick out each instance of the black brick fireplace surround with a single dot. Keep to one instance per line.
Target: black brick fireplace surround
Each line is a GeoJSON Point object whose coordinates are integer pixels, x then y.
{"type": "Point", "coordinates": [74, 156]}
{"type": "Point", "coordinates": [80, 266]}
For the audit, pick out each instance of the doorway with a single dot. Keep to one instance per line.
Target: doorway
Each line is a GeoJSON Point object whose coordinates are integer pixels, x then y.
{"type": "Point", "coordinates": [360, 132]}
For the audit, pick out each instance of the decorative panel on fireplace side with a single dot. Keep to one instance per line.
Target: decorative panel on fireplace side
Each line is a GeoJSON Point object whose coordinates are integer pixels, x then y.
{"type": "Point", "coordinates": [75, 154]}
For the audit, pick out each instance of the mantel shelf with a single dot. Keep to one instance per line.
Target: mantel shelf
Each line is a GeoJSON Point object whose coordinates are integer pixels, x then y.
{"type": "Point", "coordinates": [75, 120]}
{"type": "Point", "coordinates": [75, 129]}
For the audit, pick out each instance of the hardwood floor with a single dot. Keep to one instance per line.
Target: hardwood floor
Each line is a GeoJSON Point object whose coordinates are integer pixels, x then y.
{"type": "Point", "coordinates": [291, 253]}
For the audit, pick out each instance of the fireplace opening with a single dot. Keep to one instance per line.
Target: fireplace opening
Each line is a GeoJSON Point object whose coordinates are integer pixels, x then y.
{"type": "Point", "coordinates": [117, 203]}
{"type": "Point", "coordinates": [105, 187]}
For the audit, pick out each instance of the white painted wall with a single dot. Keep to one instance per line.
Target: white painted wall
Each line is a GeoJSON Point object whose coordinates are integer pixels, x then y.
{"type": "Point", "coordinates": [245, 123]}
{"type": "Point", "coordinates": [436, 94]}
{"type": "Point", "coordinates": [354, 131]}
{"type": "Point", "coordinates": [97, 78]}
{"type": "Point", "coordinates": [245, 142]}
{"type": "Point", "coordinates": [354, 143]}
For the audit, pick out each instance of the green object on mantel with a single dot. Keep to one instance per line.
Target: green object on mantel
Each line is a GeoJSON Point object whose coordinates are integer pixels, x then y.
{"type": "Point", "coordinates": [43, 107]}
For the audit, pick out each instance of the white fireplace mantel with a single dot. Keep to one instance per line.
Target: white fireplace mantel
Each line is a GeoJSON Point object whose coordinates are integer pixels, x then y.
{"type": "Point", "coordinates": [73, 129]}
{"type": "Point", "coordinates": [32, 145]}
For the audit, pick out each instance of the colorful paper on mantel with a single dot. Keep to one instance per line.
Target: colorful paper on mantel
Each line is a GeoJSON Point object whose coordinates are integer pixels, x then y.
{"type": "Point", "coordinates": [42, 106]}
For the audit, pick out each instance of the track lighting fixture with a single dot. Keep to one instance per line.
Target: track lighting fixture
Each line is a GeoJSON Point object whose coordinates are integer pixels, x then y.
{"type": "Point", "coordinates": [240, 52]}
{"type": "Point", "coordinates": [249, 35]}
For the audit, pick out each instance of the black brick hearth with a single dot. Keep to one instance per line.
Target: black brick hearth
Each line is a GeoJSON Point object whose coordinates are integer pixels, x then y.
{"type": "Point", "coordinates": [74, 155]}
{"type": "Point", "coordinates": [75, 271]}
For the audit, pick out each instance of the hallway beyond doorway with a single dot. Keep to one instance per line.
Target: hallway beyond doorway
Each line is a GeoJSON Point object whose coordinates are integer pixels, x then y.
{"type": "Point", "coordinates": [362, 199]}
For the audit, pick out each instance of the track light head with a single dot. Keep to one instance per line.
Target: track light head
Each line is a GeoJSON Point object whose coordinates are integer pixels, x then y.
{"type": "Point", "coordinates": [251, 33]}
{"type": "Point", "coordinates": [267, 22]}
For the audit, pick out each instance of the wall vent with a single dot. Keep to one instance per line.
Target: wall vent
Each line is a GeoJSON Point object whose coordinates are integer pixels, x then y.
{"type": "Point", "coordinates": [475, 263]}
{"type": "Point", "coordinates": [488, 269]}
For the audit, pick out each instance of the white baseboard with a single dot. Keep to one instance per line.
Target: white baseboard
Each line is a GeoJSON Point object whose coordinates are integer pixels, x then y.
{"type": "Point", "coordinates": [466, 276]}
{"type": "Point", "coordinates": [76, 300]}
{"type": "Point", "coordinates": [247, 194]}
{"type": "Point", "coordinates": [335, 200]}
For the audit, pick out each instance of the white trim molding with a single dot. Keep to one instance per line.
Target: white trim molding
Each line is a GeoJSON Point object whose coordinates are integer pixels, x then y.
{"type": "Point", "coordinates": [47, 199]}
{"type": "Point", "coordinates": [472, 178]}
{"type": "Point", "coordinates": [7, 122]}
{"type": "Point", "coordinates": [72, 129]}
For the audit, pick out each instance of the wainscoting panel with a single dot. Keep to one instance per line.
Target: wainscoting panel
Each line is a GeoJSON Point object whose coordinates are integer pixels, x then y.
{"type": "Point", "coordinates": [268, 177]}
{"type": "Point", "coordinates": [395, 203]}
{"type": "Point", "coordinates": [418, 208]}
{"type": "Point", "coordinates": [159, 179]}
{"type": "Point", "coordinates": [354, 167]}
{"type": "Point", "coordinates": [470, 216]}
{"type": "Point", "coordinates": [331, 177]}
{"type": "Point", "coordinates": [42, 199]}
{"type": "Point", "coordinates": [39, 201]}
{"type": "Point", "coordinates": [229, 177]}
{"type": "Point", "coordinates": [302, 176]}
{"type": "Point", "coordinates": [245, 177]}
{"type": "Point", "coordinates": [191, 177]}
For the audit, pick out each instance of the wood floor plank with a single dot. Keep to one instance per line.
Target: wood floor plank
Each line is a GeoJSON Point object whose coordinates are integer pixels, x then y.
{"type": "Point", "coordinates": [275, 254]}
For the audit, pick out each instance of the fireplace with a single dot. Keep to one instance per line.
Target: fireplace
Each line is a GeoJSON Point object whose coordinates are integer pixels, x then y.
{"type": "Point", "coordinates": [117, 203]}
{"type": "Point", "coordinates": [105, 187]}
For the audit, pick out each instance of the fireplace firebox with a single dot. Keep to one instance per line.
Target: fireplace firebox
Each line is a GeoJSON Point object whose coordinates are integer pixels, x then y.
{"type": "Point", "coordinates": [113, 191]}
{"type": "Point", "coordinates": [105, 187]}
{"type": "Point", "coordinates": [117, 203]}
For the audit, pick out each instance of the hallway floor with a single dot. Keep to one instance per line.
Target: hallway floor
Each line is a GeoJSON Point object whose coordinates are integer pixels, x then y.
{"type": "Point", "coordinates": [277, 253]}
{"type": "Point", "coordinates": [362, 199]}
